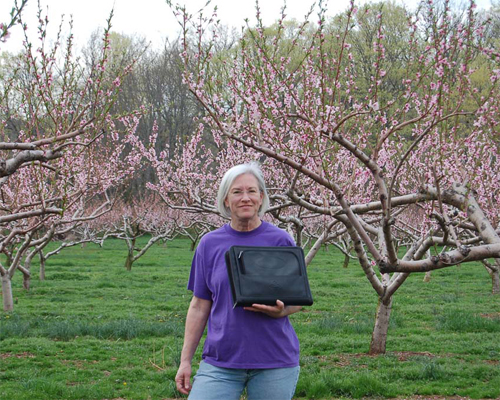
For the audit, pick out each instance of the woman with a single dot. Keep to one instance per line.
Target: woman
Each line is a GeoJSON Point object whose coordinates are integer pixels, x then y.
{"type": "Point", "coordinates": [253, 347]}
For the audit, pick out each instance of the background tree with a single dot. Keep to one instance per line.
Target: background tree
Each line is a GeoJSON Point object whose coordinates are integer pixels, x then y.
{"type": "Point", "coordinates": [61, 144]}
{"type": "Point", "coordinates": [15, 15]}
{"type": "Point", "coordinates": [155, 84]}
{"type": "Point", "coordinates": [359, 153]}
{"type": "Point", "coordinates": [131, 220]}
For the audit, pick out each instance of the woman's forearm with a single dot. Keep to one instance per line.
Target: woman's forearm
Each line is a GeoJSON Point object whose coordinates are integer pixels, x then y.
{"type": "Point", "coordinates": [277, 311]}
{"type": "Point", "coordinates": [289, 310]}
{"type": "Point", "coordinates": [196, 320]}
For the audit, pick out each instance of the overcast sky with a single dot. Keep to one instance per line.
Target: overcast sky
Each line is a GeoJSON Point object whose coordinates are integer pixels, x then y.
{"type": "Point", "coordinates": [152, 19]}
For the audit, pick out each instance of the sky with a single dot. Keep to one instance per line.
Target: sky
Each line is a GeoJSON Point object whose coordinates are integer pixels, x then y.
{"type": "Point", "coordinates": [151, 19]}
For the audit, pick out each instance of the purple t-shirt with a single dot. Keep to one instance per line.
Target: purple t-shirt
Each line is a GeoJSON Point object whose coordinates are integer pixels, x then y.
{"type": "Point", "coordinates": [237, 338]}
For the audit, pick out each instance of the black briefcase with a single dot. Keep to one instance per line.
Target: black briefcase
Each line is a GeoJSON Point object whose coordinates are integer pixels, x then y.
{"type": "Point", "coordinates": [262, 275]}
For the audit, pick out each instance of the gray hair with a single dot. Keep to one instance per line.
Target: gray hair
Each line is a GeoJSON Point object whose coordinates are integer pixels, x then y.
{"type": "Point", "coordinates": [228, 179]}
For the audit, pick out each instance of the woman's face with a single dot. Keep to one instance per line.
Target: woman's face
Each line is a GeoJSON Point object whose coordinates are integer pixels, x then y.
{"type": "Point", "coordinates": [244, 198]}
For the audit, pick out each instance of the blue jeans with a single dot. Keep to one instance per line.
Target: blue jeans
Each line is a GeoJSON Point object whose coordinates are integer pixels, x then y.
{"type": "Point", "coordinates": [215, 383]}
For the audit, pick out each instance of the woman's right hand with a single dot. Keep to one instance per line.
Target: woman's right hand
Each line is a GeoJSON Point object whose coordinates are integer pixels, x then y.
{"type": "Point", "coordinates": [196, 320]}
{"type": "Point", "coordinates": [183, 378]}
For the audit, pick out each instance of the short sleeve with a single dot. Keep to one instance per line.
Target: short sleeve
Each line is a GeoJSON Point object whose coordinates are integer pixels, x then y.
{"type": "Point", "coordinates": [291, 241]}
{"type": "Point", "coordinates": [286, 239]}
{"type": "Point", "coordinates": [197, 279]}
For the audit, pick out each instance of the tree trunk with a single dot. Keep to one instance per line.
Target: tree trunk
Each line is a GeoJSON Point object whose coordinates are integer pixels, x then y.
{"type": "Point", "coordinates": [495, 282]}
{"type": "Point", "coordinates": [298, 234]}
{"type": "Point", "coordinates": [129, 261]}
{"type": "Point", "coordinates": [379, 336]}
{"type": "Point", "coordinates": [8, 300]}
{"type": "Point", "coordinates": [42, 268]}
{"type": "Point", "coordinates": [495, 279]}
{"type": "Point", "coordinates": [427, 277]}
{"type": "Point", "coordinates": [130, 255]}
{"type": "Point", "coordinates": [346, 261]}
{"type": "Point", "coordinates": [314, 250]}
{"type": "Point", "coordinates": [493, 272]}
{"type": "Point", "coordinates": [26, 273]}
{"type": "Point", "coordinates": [26, 281]}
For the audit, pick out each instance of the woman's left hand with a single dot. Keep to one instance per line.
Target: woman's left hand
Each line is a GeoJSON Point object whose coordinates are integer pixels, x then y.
{"type": "Point", "coordinates": [277, 311]}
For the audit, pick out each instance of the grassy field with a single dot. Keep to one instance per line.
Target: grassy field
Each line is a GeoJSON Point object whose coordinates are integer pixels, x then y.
{"type": "Point", "coordinates": [93, 330]}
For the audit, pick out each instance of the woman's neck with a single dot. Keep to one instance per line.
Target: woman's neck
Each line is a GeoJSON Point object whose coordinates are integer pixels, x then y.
{"type": "Point", "coordinates": [245, 225]}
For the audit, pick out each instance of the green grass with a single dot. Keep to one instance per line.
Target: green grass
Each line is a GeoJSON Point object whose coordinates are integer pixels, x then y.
{"type": "Point", "coordinates": [93, 330]}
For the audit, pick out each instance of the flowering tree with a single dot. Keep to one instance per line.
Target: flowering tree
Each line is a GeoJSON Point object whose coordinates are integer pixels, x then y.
{"type": "Point", "coordinates": [188, 182]}
{"type": "Point", "coordinates": [69, 231]}
{"type": "Point", "coordinates": [129, 221]}
{"type": "Point", "coordinates": [80, 186]}
{"type": "Point", "coordinates": [15, 14]}
{"type": "Point", "coordinates": [360, 156]}
{"type": "Point", "coordinates": [62, 148]}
